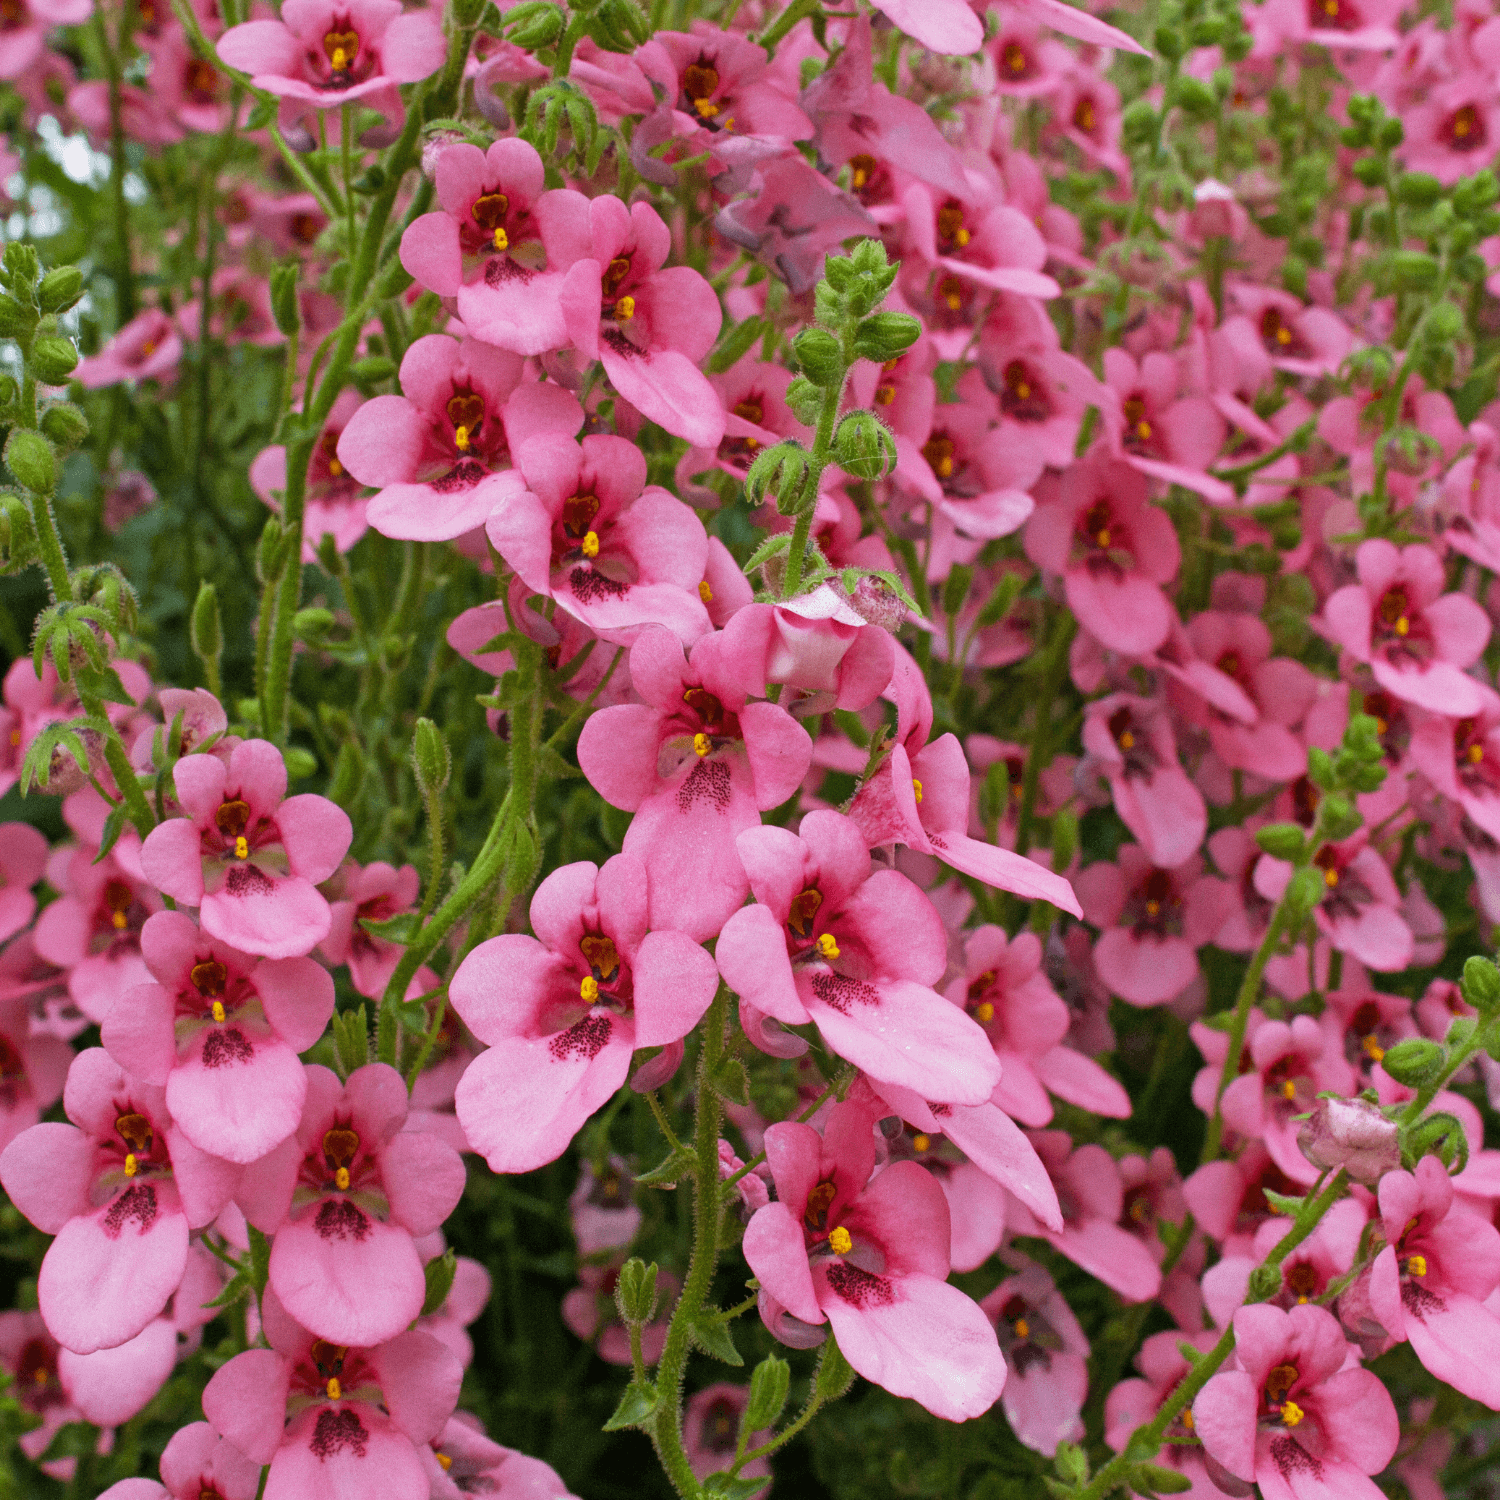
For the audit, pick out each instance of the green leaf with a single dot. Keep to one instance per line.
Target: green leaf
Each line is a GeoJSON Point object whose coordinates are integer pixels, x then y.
{"type": "Point", "coordinates": [637, 1407]}
{"type": "Point", "coordinates": [1282, 1203]}
{"type": "Point", "coordinates": [439, 1272]}
{"type": "Point", "coordinates": [730, 1081]}
{"type": "Point", "coordinates": [397, 929]}
{"type": "Point", "coordinates": [773, 546]}
{"type": "Point", "coordinates": [671, 1170]}
{"type": "Point", "coordinates": [712, 1336]}
{"type": "Point", "coordinates": [237, 1290]}
{"type": "Point", "coordinates": [113, 825]}
{"type": "Point", "coordinates": [835, 1373]}
{"type": "Point", "coordinates": [733, 344]}
{"type": "Point", "coordinates": [724, 1485]}
{"type": "Point", "coordinates": [260, 1259]}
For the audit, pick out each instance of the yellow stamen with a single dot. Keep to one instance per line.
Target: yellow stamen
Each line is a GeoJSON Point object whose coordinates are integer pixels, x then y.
{"type": "Point", "coordinates": [1143, 430]}
{"type": "Point", "coordinates": [1022, 1328]}
{"type": "Point", "coordinates": [335, 1390]}
{"type": "Point", "coordinates": [502, 241]}
{"type": "Point", "coordinates": [985, 1011]}
{"type": "Point", "coordinates": [962, 237]}
{"type": "Point", "coordinates": [242, 847]}
{"type": "Point", "coordinates": [444, 1462]}
{"type": "Point", "coordinates": [1417, 1265]}
{"type": "Point", "coordinates": [1283, 335]}
{"type": "Point", "coordinates": [1103, 537]}
{"type": "Point", "coordinates": [335, 468]}
{"type": "Point", "coordinates": [701, 744]}
{"type": "Point", "coordinates": [117, 920]}
{"type": "Point", "coordinates": [461, 439]}
{"type": "Point", "coordinates": [1187, 1418]}
{"type": "Point", "coordinates": [1403, 626]}
{"type": "Point", "coordinates": [1291, 1413]}
{"type": "Point", "coordinates": [706, 108]}
{"type": "Point", "coordinates": [341, 1179]}
{"type": "Point", "coordinates": [1330, 877]}
{"type": "Point", "coordinates": [1127, 741]}
{"type": "Point", "coordinates": [1373, 1050]}
{"type": "Point", "coordinates": [340, 60]}
{"type": "Point", "coordinates": [916, 787]}
{"type": "Point", "coordinates": [840, 1241]}
{"type": "Point", "coordinates": [624, 309]}
{"type": "Point", "coordinates": [945, 467]}
{"type": "Point", "coordinates": [827, 946]}
{"type": "Point", "coordinates": [1153, 908]}
{"type": "Point", "coordinates": [589, 546]}
{"type": "Point", "coordinates": [589, 989]}
{"type": "Point", "coordinates": [920, 1143]}
{"type": "Point", "coordinates": [218, 1010]}
{"type": "Point", "coordinates": [954, 301]}
{"type": "Point", "coordinates": [130, 1164]}
{"type": "Point", "coordinates": [1475, 754]}
{"type": "Point", "coordinates": [705, 593]}
{"type": "Point", "coordinates": [1289, 1090]}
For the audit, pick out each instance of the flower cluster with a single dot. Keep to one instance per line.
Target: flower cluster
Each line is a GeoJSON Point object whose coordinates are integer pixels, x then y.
{"type": "Point", "coordinates": [982, 563]}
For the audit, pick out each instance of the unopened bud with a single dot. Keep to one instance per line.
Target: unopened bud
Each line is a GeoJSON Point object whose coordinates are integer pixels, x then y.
{"type": "Point", "coordinates": [1265, 1282]}
{"type": "Point", "coordinates": [431, 759]}
{"type": "Point", "coordinates": [635, 1291]}
{"type": "Point", "coordinates": [60, 289]}
{"type": "Point", "coordinates": [204, 630]}
{"type": "Point", "coordinates": [820, 355]}
{"type": "Point", "coordinates": [268, 550]}
{"type": "Point", "coordinates": [1353, 1134]}
{"type": "Point", "coordinates": [864, 447]}
{"type": "Point", "coordinates": [884, 335]}
{"type": "Point", "coordinates": [1414, 1061]}
{"type": "Point", "coordinates": [1481, 985]}
{"type": "Point", "coordinates": [770, 1383]}
{"type": "Point", "coordinates": [53, 359]}
{"type": "Point", "coordinates": [284, 305]}
{"type": "Point", "coordinates": [533, 24]}
{"type": "Point", "coordinates": [1282, 841]}
{"type": "Point", "coordinates": [64, 425]}
{"type": "Point", "coordinates": [1304, 891]}
{"type": "Point", "coordinates": [29, 456]}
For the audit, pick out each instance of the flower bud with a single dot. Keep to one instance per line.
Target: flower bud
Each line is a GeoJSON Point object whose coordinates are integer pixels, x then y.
{"type": "Point", "coordinates": [884, 335]}
{"type": "Point", "coordinates": [21, 265]}
{"type": "Point", "coordinates": [821, 357]}
{"type": "Point", "coordinates": [15, 321]}
{"type": "Point", "coordinates": [204, 630]}
{"type": "Point", "coordinates": [770, 1383]}
{"type": "Point", "coordinates": [1353, 1134]}
{"type": "Point", "coordinates": [1265, 1282]}
{"type": "Point", "coordinates": [804, 399]}
{"type": "Point", "coordinates": [1282, 841]}
{"type": "Point", "coordinates": [60, 289]}
{"type": "Point", "coordinates": [1414, 1060]}
{"type": "Point", "coordinates": [1481, 985]}
{"type": "Point", "coordinates": [268, 551]}
{"type": "Point", "coordinates": [65, 425]}
{"type": "Point", "coordinates": [1303, 893]}
{"type": "Point", "coordinates": [29, 456]}
{"type": "Point", "coordinates": [781, 472]}
{"type": "Point", "coordinates": [431, 759]}
{"type": "Point", "coordinates": [864, 447]}
{"type": "Point", "coordinates": [467, 12]}
{"type": "Point", "coordinates": [312, 624]}
{"type": "Point", "coordinates": [53, 359]}
{"type": "Point", "coordinates": [635, 1291]}
{"type": "Point", "coordinates": [533, 24]}
{"type": "Point", "coordinates": [284, 306]}
{"type": "Point", "coordinates": [1339, 816]}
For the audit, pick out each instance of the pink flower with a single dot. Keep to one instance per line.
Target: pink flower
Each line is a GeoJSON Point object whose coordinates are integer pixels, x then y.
{"type": "Point", "coordinates": [998, 248]}
{"type": "Point", "coordinates": [332, 1419]}
{"type": "Point", "coordinates": [441, 453]}
{"type": "Point", "coordinates": [488, 245]}
{"type": "Point", "coordinates": [33, 1068]}
{"type": "Point", "coordinates": [587, 530]}
{"type": "Point", "coordinates": [328, 54]}
{"type": "Point", "coordinates": [1353, 1134]}
{"type": "Point", "coordinates": [23, 43]}
{"type": "Point", "coordinates": [1113, 549]}
{"type": "Point", "coordinates": [1047, 1353]}
{"type": "Point", "coordinates": [1152, 922]}
{"type": "Point", "coordinates": [373, 893]}
{"type": "Point", "coordinates": [146, 348]}
{"type": "Point", "coordinates": [1275, 331]}
{"type": "Point", "coordinates": [1461, 757]}
{"type": "Point", "coordinates": [1132, 1403]}
{"type": "Point", "coordinates": [344, 1197]}
{"type": "Point", "coordinates": [221, 1032]}
{"type": "Point", "coordinates": [602, 1206]}
{"type": "Point", "coordinates": [1004, 988]}
{"type": "Point", "coordinates": [697, 764]}
{"type": "Point", "coordinates": [1416, 638]}
{"type": "Point", "coordinates": [120, 1188]}
{"type": "Point", "coordinates": [562, 1012]}
{"type": "Point", "coordinates": [649, 326]}
{"type": "Point", "coordinates": [23, 858]}
{"type": "Point", "coordinates": [1293, 1414]}
{"type": "Point", "coordinates": [196, 1462]}
{"type": "Point", "coordinates": [856, 953]}
{"type": "Point", "coordinates": [462, 1461]}
{"type": "Point", "coordinates": [593, 1315]}
{"type": "Point", "coordinates": [948, 26]}
{"type": "Point", "coordinates": [1430, 1282]}
{"type": "Point", "coordinates": [246, 854]}
{"type": "Point", "coordinates": [1131, 739]}
{"type": "Point", "coordinates": [711, 1427]}
{"type": "Point", "coordinates": [871, 1259]}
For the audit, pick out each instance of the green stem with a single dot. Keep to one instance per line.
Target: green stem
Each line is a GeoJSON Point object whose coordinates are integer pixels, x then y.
{"type": "Point", "coordinates": [139, 810]}
{"type": "Point", "coordinates": [54, 559]}
{"type": "Point", "coordinates": [667, 1429]}
{"type": "Point", "coordinates": [796, 555]}
{"type": "Point", "coordinates": [798, 10]}
{"type": "Point", "coordinates": [429, 1041]}
{"type": "Point", "coordinates": [815, 1402]}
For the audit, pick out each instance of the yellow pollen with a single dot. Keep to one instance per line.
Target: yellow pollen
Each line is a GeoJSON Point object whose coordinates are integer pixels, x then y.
{"type": "Point", "coordinates": [916, 787]}
{"type": "Point", "coordinates": [461, 439]}
{"type": "Point", "coordinates": [984, 1011]}
{"type": "Point", "coordinates": [1143, 430]}
{"type": "Point", "coordinates": [1023, 391]}
{"type": "Point", "coordinates": [1127, 741]}
{"type": "Point", "coordinates": [1475, 754]}
{"type": "Point", "coordinates": [340, 59]}
{"type": "Point", "coordinates": [335, 1390]}
{"type": "Point", "coordinates": [858, 177]}
{"type": "Point", "coordinates": [40, 1377]}
{"type": "Point", "coordinates": [840, 1241]}
{"type": "Point", "coordinates": [1403, 626]}
{"type": "Point", "coordinates": [1022, 1328]}
{"type": "Point", "coordinates": [589, 546]}
{"type": "Point", "coordinates": [117, 920]}
{"type": "Point", "coordinates": [1153, 908]}
{"type": "Point", "coordinates": [1330, 877]}
{"type": "Point", "coordinates": [130, 1164]}
{"type": "Point", "coordinates": [218, 1010]}
{"type": "Point", "coordinates": [1373, 1050]}
{"type": "Point", "coordinates": [335, 468]}
{"type": "Point", "coordinates": [1291, 1413]}
{"type": "Point", "coordinates": [827, 946]}
{"type": "Point", "coordinates": [242, 847]}
{"type": "Point", "coordinates": [962, 237]}
{"type": "Point", "coordinates": [1187, 1418]}
{"type": "Point", "coordinates": [341, 1179]}
{"type": "Point", "coordinates": [1289, 1090]}
{"type": "Point", "coordinates": [705, 593]}
{"type": "Point", "coordinates": [701, 744]}
{"type": "Point", "coordinates": [920, 1143]}
{"type": "Point", "coordinates": [1283, 335]}
{"type": "Point", "coordinates": [625, 309]}
{"type": "Point", "coordinates": [502, 240]}
{"type": "Point", "coordinates": [945, 467]}
{"type": "Point", "coordinates": [444, 1462]}
{"type": "Point", "coordinates": [954, 301]}
{"type": "Point", "coordinates": [706, 108]}
{"type": "Point", "coordinates": [589, 989]}
{"type": "Point", "coordinates": [1417, 1265]}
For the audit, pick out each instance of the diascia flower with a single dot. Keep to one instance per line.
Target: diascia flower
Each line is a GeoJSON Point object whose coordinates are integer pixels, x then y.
{"type": "Point", "coordinates": [871, 1259]}
{"type": "Point", "coordinates": [563, 1011]}
{"type": "Point", "coordinates": [247, 855]}
{"type": "Point", "coordinates": [120, 1187]}
{"type": "Point", "coordinates": [221, 1031]}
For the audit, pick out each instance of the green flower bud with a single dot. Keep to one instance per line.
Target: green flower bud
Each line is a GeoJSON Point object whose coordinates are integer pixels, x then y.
{"type": "Point", "coordinates": [65, 425]}
{"type": "Point", "coordinates": [1303, 893]}
{"type": "Point", "coordinates": [533, 24]}
{"type": "Point", "coordinates": [770, 1383]}
{"type": "Point", "coordinates": [884, 335]}
{"type": "Point", "coordinates": [467, 12]}
{"type": "Point", "coordinates": [312, 624]}
{"type": "Point", "coordinates": [1414, 1061]}
{"type": "Point", "coordinates": [820, 355]}
{"type": "Point", "coordinates": [431, 759]}
{"type": "Point", "coordinates": [1339, 816]}
{"type": "Point", "coordinates": [864, 447]}
{"type": "Point", "coordinates": [635, 1291]}
{"type": "Point", "coordinates": [15, 321]}
{"type": "Point", "coordinates": [1265, 1283]}
{"type": "Point", "coordinates": [1481, 985]}
{"type": "Point", "coordinates": [780, 471]}
{"type": "Point", "coordinates": [29, 456]}
{"type": "Point", "coordinates": [373, 369]}
{"type": "Point", "coordinates": [300, 762]}
{"type": "Point", "coordinates": [1194, 96]}
{"type": "Point", "coordinates": [268, 550]}
{"type": "Point", "coordinates": [804, 399]}
{"type": "Point", "coordinates": [60, 289]}
{"type": "Point", "coordinates": [1419, 189]}
{"type": "Point", "coordinates": [204, 629]}
{"type": "Point", "coordinates": [53, 359]}
{"type": "Point", "coordinates": [284, 305]}
{"type": "Point", "coordinates": [1282, 841]}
